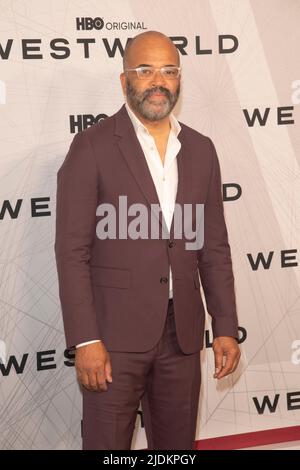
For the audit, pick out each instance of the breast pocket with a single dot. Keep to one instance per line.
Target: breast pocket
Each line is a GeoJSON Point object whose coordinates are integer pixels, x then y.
{"type": "Point", "coordinates": [111, 277]}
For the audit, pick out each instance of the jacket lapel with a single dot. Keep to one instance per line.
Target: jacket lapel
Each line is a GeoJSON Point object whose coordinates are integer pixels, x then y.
{"type": "Point", "coordinates": [184, 188]}
{"type": "Point", "coordinates": [132, 152]}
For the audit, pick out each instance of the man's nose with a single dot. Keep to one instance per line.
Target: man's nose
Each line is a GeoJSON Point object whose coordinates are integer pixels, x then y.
{"type": "Point", "coordinates": [157, 78]}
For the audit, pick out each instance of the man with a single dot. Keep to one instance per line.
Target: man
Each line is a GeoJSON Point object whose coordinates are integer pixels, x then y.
{"type": "Point", "coordinates": [132, 306]}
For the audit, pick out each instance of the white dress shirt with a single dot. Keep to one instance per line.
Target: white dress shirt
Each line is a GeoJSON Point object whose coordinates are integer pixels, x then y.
{"type": "Point", "coordinates": [164, 175]}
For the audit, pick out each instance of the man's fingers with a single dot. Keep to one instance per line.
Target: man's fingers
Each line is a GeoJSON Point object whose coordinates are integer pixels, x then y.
{"type": "Point", "coordinates": [225, 347]}
{"type": "Point", "coordinates": [108, 371]}
{"type": "Point", "coordinates": [83, 379]}
{"type": "Point", "coordinates": [93, 367]}
{"type": "Point", "coordinates": [89, 380]}
{"type": "Point", "coordinates": [227, 369]}
{"type": "Point", "coordinates": [94, 381]}
{"type": "Point", "coordinates": [230, 365]}
{"type": "Point", "coordinates": [101, 381]}
{"type": "Point", "coordinates": [218, 362]}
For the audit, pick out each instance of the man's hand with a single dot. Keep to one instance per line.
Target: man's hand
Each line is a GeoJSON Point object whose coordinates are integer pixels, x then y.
{"type": "Point", "coordinates": [93, 367]}
{"type": "Point", "coordinates": [225, 346]}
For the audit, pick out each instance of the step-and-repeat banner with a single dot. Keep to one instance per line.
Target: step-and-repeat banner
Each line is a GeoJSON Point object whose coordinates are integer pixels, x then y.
{"type": "Point", "coordinates": [60, 62]}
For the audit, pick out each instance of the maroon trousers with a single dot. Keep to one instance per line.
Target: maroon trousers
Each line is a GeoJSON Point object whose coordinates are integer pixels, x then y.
{"type": "Point", "coordinates": [164, 380]}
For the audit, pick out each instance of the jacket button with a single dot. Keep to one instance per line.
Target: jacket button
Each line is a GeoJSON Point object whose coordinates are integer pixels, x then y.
{"type": "Point", "coordinates": [171, 244]}
{"type": "Point", "coordinates": [163, 280]}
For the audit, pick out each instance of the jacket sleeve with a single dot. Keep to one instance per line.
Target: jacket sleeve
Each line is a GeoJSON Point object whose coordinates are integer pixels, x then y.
{"type": "Point", "coordinates": [214, 259]}
{"type": "Point", "coordinates": [76, 202]}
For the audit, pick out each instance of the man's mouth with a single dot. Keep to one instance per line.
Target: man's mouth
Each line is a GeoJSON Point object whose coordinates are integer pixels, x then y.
{"type": "Point", "coordinates": [156, 96]}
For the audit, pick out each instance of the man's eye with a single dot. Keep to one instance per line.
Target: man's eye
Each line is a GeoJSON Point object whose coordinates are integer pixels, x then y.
{"type": "Point", "coordinates": [170, 72]}
{"type": "Point", "coordinates": [146, 71]}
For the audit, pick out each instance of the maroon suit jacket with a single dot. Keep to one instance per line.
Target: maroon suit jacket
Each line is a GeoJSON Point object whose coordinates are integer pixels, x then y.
{"type": "Point", "coordinates": [117, 289]}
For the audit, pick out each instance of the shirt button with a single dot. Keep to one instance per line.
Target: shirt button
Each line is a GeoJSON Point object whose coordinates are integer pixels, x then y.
{"type": "Point", "coordinates": [163, 280]}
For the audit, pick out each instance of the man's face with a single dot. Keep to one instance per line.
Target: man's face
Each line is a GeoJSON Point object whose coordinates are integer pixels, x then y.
{"type": "Point", "coordinates": [154, 98]}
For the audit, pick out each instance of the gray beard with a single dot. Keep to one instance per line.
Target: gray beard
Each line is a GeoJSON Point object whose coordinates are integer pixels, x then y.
{"type": "Point", "coordinates": [140, 103]}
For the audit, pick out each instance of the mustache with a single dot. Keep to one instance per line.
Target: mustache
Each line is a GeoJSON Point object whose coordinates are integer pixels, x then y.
{"type": "Point", "coordinates": [158, 89]}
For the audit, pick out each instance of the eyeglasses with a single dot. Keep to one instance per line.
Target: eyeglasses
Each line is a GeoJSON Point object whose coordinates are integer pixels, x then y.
{"type": "Point", "coordinates": [145, 73]}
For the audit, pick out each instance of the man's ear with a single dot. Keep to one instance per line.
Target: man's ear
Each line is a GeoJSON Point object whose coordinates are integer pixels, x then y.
{"type": "Point", "coordinates": [123, 82]}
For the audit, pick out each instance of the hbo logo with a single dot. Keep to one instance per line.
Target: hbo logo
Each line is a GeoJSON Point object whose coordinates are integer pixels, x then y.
{"type": "Point", "coordinates": [89, 23]}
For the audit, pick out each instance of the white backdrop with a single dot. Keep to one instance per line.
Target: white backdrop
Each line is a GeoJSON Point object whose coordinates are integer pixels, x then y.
{"type": "Point", "coordinates": [241, 87]}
